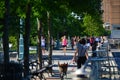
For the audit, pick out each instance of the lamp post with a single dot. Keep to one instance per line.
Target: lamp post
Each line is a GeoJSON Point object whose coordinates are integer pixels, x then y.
{"type": "Point", "coordinates": [21, 44]}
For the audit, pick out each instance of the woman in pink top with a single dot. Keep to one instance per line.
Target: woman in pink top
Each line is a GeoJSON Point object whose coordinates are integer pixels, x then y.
{"type": "Point", "coordinates": [64, 44]}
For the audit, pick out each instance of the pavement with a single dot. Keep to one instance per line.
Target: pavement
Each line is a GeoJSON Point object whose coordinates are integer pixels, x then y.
{"type": "Point", "coordinates": [58, 56]}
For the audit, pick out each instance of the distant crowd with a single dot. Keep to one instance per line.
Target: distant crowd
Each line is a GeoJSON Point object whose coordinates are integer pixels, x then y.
{"type": "Point", "coordinates": [71, 42]}
{"type": "Point", "coordinates": [89, 41]}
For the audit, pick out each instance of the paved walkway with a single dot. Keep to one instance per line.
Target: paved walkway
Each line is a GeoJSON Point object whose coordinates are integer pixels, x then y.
{"type": "Point", "coordinates": [58, 56]}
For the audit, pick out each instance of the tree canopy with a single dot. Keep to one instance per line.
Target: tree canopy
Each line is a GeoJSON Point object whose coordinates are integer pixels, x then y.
{"type": "Point", "coordinates": [61, 19]}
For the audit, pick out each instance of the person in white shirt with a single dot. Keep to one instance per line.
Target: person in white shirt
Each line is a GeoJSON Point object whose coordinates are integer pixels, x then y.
{"type": "Point", "coordinates": [43, 44]}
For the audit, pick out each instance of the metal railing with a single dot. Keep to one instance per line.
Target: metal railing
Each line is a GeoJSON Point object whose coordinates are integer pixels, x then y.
{"type": "Point", "coordinates": [102, 67]}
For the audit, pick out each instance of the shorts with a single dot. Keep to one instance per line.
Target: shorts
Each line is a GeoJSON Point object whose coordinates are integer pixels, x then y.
{"type": "Point", "coordinates": [43, 47]}
{"type": "Point", "coordinates": [64, 45]}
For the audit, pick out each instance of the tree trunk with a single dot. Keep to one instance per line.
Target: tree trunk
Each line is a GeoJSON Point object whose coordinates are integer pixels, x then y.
{"type": "Point", "coordinates": [49, 39]}
{"type": "Point", "coordinates": [5, 33]}
{"type": "Point", "coordinates": [27, 40]}
{"type": "Point", "coordinates": [39, 44]}
{"type": "Point", "coordinates": [5, 36]}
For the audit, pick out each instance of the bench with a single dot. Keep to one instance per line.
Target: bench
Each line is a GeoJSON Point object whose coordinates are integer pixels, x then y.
{"type": "Point", "coordinates": [41, 71]}
{"type": "Point", "coordinates": [49, 69]}
{"type": "Point", "coordinates": [34, 65]}
{"type": "Point", "coordinates": [47, 65]}
{"type": "Point", "coordinates": [37, 72]}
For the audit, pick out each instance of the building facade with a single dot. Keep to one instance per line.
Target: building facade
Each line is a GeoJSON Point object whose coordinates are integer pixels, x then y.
{"type": "Point", "coordinates": [111, 13]}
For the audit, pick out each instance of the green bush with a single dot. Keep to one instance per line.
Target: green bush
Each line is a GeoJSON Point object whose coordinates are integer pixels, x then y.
{"type": "Point", "coordinates": [13, 41]}
{"type": "Point", "coordinates": [33, 41]}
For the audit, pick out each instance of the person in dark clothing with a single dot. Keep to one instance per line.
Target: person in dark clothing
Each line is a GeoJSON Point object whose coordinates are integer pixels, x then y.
{"type": "Point", "coordinates": [94, 47]}
{"type": "Point", "coordinates": [72, 43]}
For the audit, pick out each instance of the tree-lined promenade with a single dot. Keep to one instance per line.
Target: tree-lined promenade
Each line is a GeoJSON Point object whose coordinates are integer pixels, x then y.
{"type": "Point", "coordinates": [52, 19]}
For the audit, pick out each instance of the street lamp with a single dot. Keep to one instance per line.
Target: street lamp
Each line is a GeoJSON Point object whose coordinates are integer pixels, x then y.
{"type": "Point", "coordinates": [21, 44]}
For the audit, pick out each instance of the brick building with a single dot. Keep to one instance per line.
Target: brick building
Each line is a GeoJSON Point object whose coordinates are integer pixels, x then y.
{"type": "Point", "coordinates": [111, 12]}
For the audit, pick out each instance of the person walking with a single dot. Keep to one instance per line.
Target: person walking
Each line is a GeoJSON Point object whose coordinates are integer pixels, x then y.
{"type": "Point", "coordinates": [94, 48]}
{"type": "Point", "coordinates": [64, 44]}
{"type": "Point", "coordinates": [43, 44]}
{"type": "Point", "coordinates": [72, 43]}
{"type": "Point", "coordinates": [81, 53]}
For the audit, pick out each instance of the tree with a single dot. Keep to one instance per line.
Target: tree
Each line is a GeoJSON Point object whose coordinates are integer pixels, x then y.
{"type": "Point", "coordinates": [91, 7]}
{"type": "Point", "coordinates": [92, 25]}
{"type": "Point", "coordinates": [26, 39]}
{"type": "Point", "coordinates": [6, 33]}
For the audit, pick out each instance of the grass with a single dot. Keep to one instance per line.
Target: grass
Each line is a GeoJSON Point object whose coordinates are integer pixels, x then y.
{"type": "Point", "coordinates": [33, 51]}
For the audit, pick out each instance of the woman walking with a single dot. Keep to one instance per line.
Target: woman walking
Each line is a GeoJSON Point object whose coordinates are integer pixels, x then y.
{"type": "Point", "coordinates": [81, 53]}
{"type": "Point", "coordinates": [64, 44]}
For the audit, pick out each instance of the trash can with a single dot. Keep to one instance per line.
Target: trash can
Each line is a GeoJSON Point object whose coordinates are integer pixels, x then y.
{"type": "Point", "coordinates": [11, 71]}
